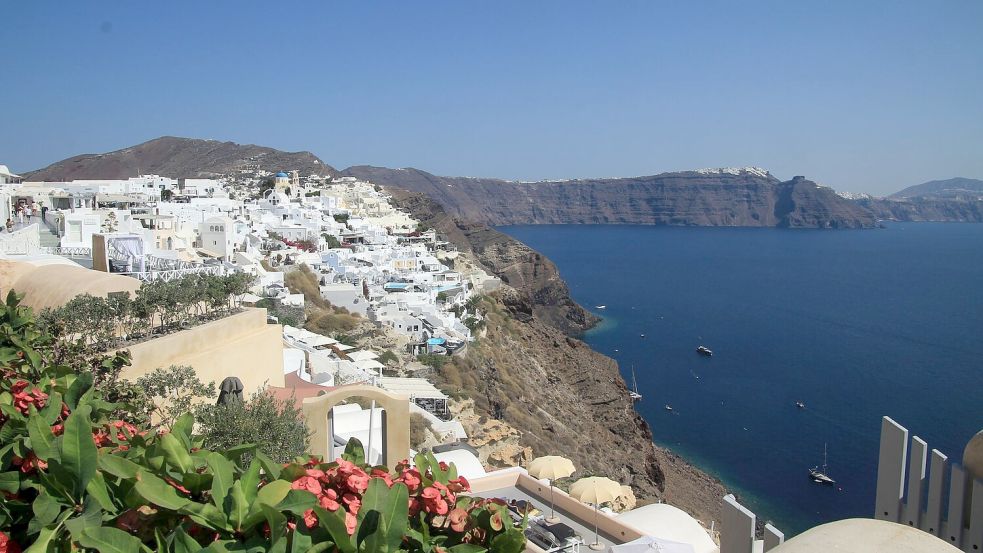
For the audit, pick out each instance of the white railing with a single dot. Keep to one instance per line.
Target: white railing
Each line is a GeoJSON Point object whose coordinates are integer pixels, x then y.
{"type": "Point", "coordinates": [80, 252]}
{"type": "Point", "coordinates": [167, 276]}
{"type": "Point", "coordinates": [958, 521]}
{"type": "Point", "coordinates": [26, 241]}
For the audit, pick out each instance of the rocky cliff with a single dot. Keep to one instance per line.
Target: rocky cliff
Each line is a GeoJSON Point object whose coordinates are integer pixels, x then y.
{"type": "Point", "coordinates": [918, 210]}
{"type": "Point", "coordinates": [179, 157]}
{"type": "Point", "coordinates": [728, 197]}
{"type": "Point", "coordinates": [563, 397]}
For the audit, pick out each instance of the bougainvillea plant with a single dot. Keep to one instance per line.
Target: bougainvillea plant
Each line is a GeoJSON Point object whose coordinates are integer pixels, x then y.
{"type": "Point", "coordinates": [74, 479]}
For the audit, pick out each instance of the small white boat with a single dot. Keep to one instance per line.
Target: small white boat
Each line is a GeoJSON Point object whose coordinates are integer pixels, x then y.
{"type": "Point", "coordinates": [600, 307]}
{"type": "Point", "coordinates": [642, 335]}
{"type": "Point", "coordinates": [800, 405]}
{"type": "Point", "coordinates": [668, 407]}
{"type": "Point", "coordinates": [703, 350]}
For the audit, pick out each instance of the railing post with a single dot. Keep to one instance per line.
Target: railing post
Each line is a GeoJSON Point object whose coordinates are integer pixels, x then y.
{"type": "Point", "coordinates": [773, 538]}
{"type": "Point", "coordinates": [736, 527]}
{"type": "Point", "coordinates": [916, 482]}
{"type": "Point", "coordinates": [974, 539]}
{"type": "Point", "coordinates": [932, 521]}
{"type": "Point", "coordinates": [954, 517]}
{"type": "Point", "coordinates": [890, 471]}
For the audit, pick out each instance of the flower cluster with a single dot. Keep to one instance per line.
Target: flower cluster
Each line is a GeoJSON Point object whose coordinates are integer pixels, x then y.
{"type": "Point", "coordinates": [116, 433]}
{"type": "Point", "coordinates": [24, 399]}
{"type": "Point", "coordinates": [8, 545]}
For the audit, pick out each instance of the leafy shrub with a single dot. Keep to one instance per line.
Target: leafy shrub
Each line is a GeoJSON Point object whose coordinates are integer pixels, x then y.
{"type": "Point", "coordinates": [171, 392]}
{"type": "Point", "coordinates": [275, 426]}
{"type": "Point", "coordinates": [432, 360]}
{"type": "Point", "coordinates": [388, 358]}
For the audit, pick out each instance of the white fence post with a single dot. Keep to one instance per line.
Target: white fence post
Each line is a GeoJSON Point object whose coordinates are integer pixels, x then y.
{"type": "Point", "coordinates": [916, 482]}
{"type": "Point", "coordinates": [890, 470]}
{"type": "Point", "coordinates": [954, 517]}
{"type": "Point", "coordinates": [974, 539]}
{"type": "Point", "coordinates": [736, 527]}
{"type": "Point", "coordinates": [773, 537]}
{"type": "Point", "coordinates": [932, 521]}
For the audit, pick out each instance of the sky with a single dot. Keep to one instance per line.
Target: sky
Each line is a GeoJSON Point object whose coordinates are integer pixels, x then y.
{"type": "Point", "coordinates": [868, 96]}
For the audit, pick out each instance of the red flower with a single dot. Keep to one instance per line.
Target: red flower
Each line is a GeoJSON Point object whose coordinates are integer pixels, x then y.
{"type": "Point", "coordinates": [328, 503]}
{"type": "Point", "coordinates": [307, 483]}
{"type": "Point", "coordinates": [310, 519]}
{"type": "Point", "coordinates": [384, 474]}
{"type": "Point", "coordinates": [8, 545]}
{"type": "Point", "coordinates": [351, 522]}
{"type": "Point", "coordinates": [353, 502]}
{"type": "Point", "coordinates": [458, 519]}
{"type": "Point", "coordinates": [411, 477]}
{"type": "Point", "coordinates": [358, 482]}
{"type": "Point", "coordinates": [315, 473]}
{"type": "Point", "coordinates": [58, 429]}
{"type": "Point", "coordinates": [30, 463]}
{"type": "Point", "coordinates": [430, 494]}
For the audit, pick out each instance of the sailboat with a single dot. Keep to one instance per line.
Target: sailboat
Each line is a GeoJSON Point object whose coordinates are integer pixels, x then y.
{"type": "Point", "coordinates": [633, 393]}
{"type": "Point", "coordinates": [820, 476]}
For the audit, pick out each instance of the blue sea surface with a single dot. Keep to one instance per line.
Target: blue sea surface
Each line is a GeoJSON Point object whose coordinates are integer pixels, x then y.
{"type": "Point", "coordinates": [855, 324]}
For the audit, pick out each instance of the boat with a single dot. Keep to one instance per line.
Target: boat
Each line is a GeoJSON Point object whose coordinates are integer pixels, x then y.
{"type": "Point", "coordinates": [821, 476]}
{"type": "Point", "coordinates": [642, 335]}
{"type": "Point", "coordinates": [800, 405]}
{"type": "Point", "coordinates": [633, 393]}
{"type": "Point", "coordinates": [703, 350]}
{"type": "Point", "coordinates": [668, 407]}
{"type": "Point", "coordinates": [600, 307]}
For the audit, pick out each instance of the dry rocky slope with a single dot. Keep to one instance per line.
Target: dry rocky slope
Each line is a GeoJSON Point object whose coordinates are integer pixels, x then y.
{"type": "Point", "coordinates": [179, 157]}
{"type": "Point", "coordinates": [529, 371]}
{"type": "Point", "coordinates": [693, 198]}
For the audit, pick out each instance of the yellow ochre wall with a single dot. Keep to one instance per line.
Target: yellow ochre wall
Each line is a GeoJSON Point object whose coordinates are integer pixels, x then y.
{"type": "Point", "coordinates": [241, 345]}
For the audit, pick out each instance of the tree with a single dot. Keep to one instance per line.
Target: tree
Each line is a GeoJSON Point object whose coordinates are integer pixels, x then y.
{"type": "Point", "coordinates": [172, 392]}
{"type": "Point", "coordinates": [166, 195]}
{"type": "Point", "coordinates": [275, 426]}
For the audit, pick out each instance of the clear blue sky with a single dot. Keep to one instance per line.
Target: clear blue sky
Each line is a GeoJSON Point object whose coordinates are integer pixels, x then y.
{"type": "Point", "coordinates": [863, 96]}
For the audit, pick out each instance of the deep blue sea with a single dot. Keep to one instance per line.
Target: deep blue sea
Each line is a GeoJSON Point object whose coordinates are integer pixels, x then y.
{"type": "Point", "coordinates": [855, 324]}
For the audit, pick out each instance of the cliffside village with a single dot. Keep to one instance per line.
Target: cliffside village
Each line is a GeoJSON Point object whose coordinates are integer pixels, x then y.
{"type": "Point", "coordinates": [376, 264]}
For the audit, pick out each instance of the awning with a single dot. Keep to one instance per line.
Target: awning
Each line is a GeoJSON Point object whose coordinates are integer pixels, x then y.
{"type": "Point", "coordinates": [208, 253]}
{"type": "Point", "coordinates": [369, 365]}
{"type": "Point", "coordinates": [362, 355]}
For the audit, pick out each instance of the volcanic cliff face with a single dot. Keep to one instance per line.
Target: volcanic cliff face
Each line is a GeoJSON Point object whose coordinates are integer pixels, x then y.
{"type": "Point", "coordinates": [918, 210]}
{"type": "Point", "coordinates": [746, 197]}
{"type": "Point", "coordinates": [179, 157]}
{"type": "Point", "coordinates": [564, 397]}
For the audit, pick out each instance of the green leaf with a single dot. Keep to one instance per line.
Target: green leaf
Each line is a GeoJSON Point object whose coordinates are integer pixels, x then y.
{"type": "Point", "coordinates": [42, 439]}
{"type": "Point", "coordinates": [274, 492]}
{"type": "Point", "coordinates": [176, 453]}
{"type": "Point", "coordinates": [46, 508]}
{"type": "Point", "coordinates": [236, 507]}
{"type": "Point", "coordinates": [250, 480]}
{"type": "Point", "coordinates": [45, 537]}
{"type": "Point", "coordinates": [182, 427]}
{"type": "Point", "coordinates": [52, 410]}
{"type": "Point", "coordinates": [9, 481]}
{"type": "Point", "coordinates": [271, 467]}
{"type": "Point", "coordinates": [79, 386]}
{"type": "Point", "coordinates": [78, 450]}
{"type": "Point", "coordinates": [119, 466]}
{"type": "Point", "coordinates": [334, 523]}
{"type": "Point", "coordinates": [207, 515]}
{"type": "Point", "coordinates": [97, 491]}
{"type": "Point", "coordinates": [354, 452]}
{"type": "Point", "coordinates": [91, 517]}
{"type": "Point", "coordinates": [109, 540]}
{"type": "Point", "coordinates": [510, 541]}
{"type": "Point", "coordinates": [383, 516]}
{"type": "Point", "coordinates": [467, 548]}
{"type": "Point", "coordinates": [158, 492]}
{"type": "Point", "coordinates": [222, 476]}
{"type": "Point", "coordinates": [183, 543]}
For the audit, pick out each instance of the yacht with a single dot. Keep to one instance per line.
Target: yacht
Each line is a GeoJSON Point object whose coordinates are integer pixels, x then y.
{"type": "Point", "coordinates": [820, 476]}
{"type": "Point", "coordinates": [633, 393]}
{"type": "Point", "coordinates": [600, 307]}
{"type": "Point", "coordinates": [668, 407]}
{"type": "Point", "coordinates": [703, 350]}
{"type": "Point", "coordinates": [800, 405]}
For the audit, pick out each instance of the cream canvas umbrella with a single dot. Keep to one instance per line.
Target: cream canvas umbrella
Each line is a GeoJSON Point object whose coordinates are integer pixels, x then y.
{"type": "Point", "coordinates": [552, 467]}
{"type": "Point", "coordinates": [595, 490]}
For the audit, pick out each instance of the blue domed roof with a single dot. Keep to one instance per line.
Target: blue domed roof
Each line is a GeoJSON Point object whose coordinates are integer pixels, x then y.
{"type": "Point", "coordinates": [282, 175]}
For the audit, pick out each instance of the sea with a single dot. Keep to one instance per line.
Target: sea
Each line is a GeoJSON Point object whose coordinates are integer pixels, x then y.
{"type": "Point", "coordinates": [855, 324]}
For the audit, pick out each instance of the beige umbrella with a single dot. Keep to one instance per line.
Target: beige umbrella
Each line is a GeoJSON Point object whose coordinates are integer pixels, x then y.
{"type": "Point", "coordinates": [595, 490]}
{"type": "Point", "coordinates": [552, 467]}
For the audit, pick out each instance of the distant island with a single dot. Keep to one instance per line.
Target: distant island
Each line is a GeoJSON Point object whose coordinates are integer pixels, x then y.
{"type": "Point", "coordinates": [748, 196]}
